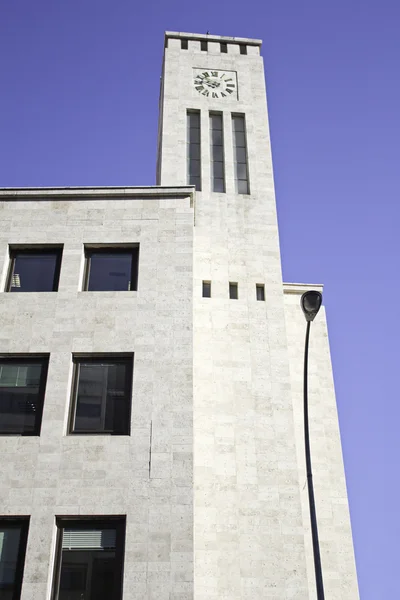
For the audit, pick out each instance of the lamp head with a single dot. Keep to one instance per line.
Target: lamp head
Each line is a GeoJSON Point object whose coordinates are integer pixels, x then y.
{"type": "Point", "coordinates": [310, 304]}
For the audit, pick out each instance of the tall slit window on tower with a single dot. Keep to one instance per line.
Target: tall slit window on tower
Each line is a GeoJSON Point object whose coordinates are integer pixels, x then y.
{"type": "Point", "coordinates": [217, 153]}
{"type": "Point", "coordinates": [240, 154]}
{"type": "Point", "coordinates": [193, 149]}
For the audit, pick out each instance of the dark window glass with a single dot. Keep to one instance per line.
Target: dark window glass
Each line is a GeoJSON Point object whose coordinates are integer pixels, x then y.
{"type": "Point", "coordinates": [240, 155]}
{"type": "Point", "coordinates": [89, 561]}
{"type": "Point", "coordinates": [243, 49]}
{"type": "Point", "coordinates": [206, 289]}
{"type": "Point", "coordinates": [233, 291]}
{"type": "Point", "coordinates": [217, 153]}
{"type": "Point", "coordinates": [34, 270]}
{"type": "Point", "coordinates": [184, 44]}
{"type": "Point", "coordinates": [203, 46]}
{"type": "Point", "coordinates": [102, 391]}
{"type": "Point", "coordinates": [219, 185]}
{"type": "Point", "coordinates": [260, 291]}
{"type": "Point", "coordinates": [13, 536]}
{"type": "Point", "coordinates": [193, 149]}
{"type": "Point", "coordinates": [194, 168]}
{"type": "Point", "coordinates": [111, 269]}
{"type": "Point", "coordinates": [22, 387]}
{"type": "Point", "coordinates": [224, 47]}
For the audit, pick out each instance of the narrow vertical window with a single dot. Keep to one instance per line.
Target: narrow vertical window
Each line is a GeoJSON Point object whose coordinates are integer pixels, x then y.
{"type": "Point", "coordinates": [217, 153]}
{"type": "Point", "coordinates": [233, 290]}
{"type": "Point", "coordinates": [240, 154]}
{"type": "Point", "coordinates": [193, 149]}
{"type": "Point", "coordinates": [260, 291]}
{"type": "Point", "coordinates": [203, 46]}
{"type": "Point", "coordinates": [206, 289]}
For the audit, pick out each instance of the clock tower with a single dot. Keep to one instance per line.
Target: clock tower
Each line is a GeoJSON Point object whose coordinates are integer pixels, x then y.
{"type": "Point", "coordinates": [251, 537]}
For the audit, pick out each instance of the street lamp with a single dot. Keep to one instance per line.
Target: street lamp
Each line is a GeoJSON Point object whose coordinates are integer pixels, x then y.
{"type": "Point", "coordinates": [311, 303]}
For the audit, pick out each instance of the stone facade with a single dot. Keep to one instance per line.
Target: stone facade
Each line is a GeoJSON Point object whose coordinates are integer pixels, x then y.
{"type": "Point", "coordinates": [251, 520]}
{"type": "Point", "coordinates": [211, 478]}
{"type": "Point", "coordinates": [57, 474]}
{"type": "Point", "coordinates": [334, 528]}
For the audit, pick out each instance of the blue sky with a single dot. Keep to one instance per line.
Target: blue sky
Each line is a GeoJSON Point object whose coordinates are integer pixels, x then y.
{"type": "Point", "coordinates": [79, 83]}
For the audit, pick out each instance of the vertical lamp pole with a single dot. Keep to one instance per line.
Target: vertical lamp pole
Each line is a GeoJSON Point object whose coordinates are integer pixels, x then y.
{"type": "Point", "coordinates": [311, 303]}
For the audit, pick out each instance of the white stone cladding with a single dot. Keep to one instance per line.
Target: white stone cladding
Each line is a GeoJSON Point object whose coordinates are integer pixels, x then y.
{"type": "Point", "coordinates": [58, 474]}
{"type": "Point", "coordinates": [249, 539]}
{"type": "Point", "coordinates": [334, 528]}
{"type": "Point", "coordinates": [251, 523]}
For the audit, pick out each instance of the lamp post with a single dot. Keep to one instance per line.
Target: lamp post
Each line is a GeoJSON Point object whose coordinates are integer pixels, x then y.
{"type": "Point", "coordinates": [311, 303]}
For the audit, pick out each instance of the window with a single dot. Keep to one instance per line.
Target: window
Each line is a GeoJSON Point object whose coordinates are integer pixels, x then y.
{"type": "Point", "coordinates": [184, 44]}
{"type": "Point", "coordinates": [13, 536]}
{"type": "Point", "coordinates": [224, 47]}
{"type": "Point", "coordinates": [206, 289]}
{"type": "Point", "coordinates": [203, 46]}
{"type": "Point", "coordinates": [240, 154]}
{"type": "Point", "coordinates": [34, 270]}
{"type": "Point", "coordinates": [233, 291]}
{"type": "Point", "coordinates": [193, 149]}
{"type": "Point", "coordinates": [217, 153]}
{"type": "Point", "coordinates": [102, 395]}
{"type": "Point", "coordinates": [260, 291]}
{"type": "Point", "coordinates": [111, 269]}
{"type": "Point", "coordinates": [243, 48]}
{"type": "Point", "coordinates": [22, 387]}
{"type": "Point", "coordinates": [89, 559]}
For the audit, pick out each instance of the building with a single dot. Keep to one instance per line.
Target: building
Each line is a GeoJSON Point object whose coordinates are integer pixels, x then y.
{"type": "Point", "coordinates": [151, 379]}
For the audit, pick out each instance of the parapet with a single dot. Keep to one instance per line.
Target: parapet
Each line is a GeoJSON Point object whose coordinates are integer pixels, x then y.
{"type": "Point", "coordinates": [212, 43]}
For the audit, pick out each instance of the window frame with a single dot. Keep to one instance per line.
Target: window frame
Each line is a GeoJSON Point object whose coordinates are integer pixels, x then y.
{"type": "Point", "coordinates": [31, 250]}
{"type": "Point", "coordinates": [26, 359]}
{"type": "Point", "coordinates": [191, 146]}
{"type": "Point", "coordinates": [89, 250]}
{"type": "Point", "coordinates": [219, 115]}
{"type": "Point", "coordinates": [21, 522]}
{"type": "Point", "coordinates": [245, 151]}
{"type": "Point", "coordinates": [260, 286]}
{"type": "Point", "coordinates": [233, 287]}
{"type": "Point", "coordinates": [117, 522]}
{"type": "Point", "coordinates": [206, 282]}
{"type": "Point", "coordinates": [115, 358]}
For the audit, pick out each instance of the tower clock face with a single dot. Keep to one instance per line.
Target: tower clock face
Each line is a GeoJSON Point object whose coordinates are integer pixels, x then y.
{"type": "Point", "coordinates": [215, 84]}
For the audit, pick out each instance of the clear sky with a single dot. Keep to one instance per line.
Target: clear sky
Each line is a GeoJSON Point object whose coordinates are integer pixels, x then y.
{"type": "Point", "coordinates": [79, 84]}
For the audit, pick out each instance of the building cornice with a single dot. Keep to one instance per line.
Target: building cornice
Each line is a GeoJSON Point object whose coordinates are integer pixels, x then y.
{"type": "Point", "coordinates": [300, 288]}
{"type": "Point", "coordinates": [107, 192]}
{"type": "Point", "coordinates": [212, 38]}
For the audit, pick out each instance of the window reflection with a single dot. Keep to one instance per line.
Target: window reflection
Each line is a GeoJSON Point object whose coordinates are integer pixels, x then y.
{"type": "Point", "coordinates": [103, 396]}
{"type": "Point", "coordinates": [22, 386]}
{"type": "Point", "coordinates": [91, 561]}
{"type": "Point", "coordinates": [34, 271]}
{"type": "Point", "coordinates": [12, 551]}
{"type": "Point", "coordinates": [111, 269]}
